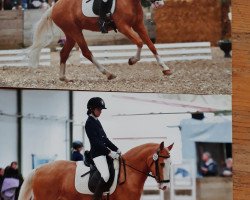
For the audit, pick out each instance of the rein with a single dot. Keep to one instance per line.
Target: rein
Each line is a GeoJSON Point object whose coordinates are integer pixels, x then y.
{"type": "Point", "coordinates": [155, 160]}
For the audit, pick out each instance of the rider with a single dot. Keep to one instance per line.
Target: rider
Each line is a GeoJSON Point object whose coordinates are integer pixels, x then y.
{"type": "Point", "coordinates": [101, 146]}
{"type": "Point", "coordinates": [102, 16]}
{"type": "Point", "coordinates": [77, 146]}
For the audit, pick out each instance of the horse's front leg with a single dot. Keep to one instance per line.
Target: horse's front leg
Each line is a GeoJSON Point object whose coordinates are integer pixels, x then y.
{"type": "Point", "coordinates": [141, 30]}
{"type": "Point", "coordinates": [128, 31]}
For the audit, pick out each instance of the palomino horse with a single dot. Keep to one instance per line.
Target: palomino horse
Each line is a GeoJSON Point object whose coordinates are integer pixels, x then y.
{"type": "Point", "coordinates": [67, 15]}
{"type": "Point", "coordinates": [55, 181]}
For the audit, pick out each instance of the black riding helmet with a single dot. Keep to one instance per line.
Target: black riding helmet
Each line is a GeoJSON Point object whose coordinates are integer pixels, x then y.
{"type": "Point", "coordinates": [77, 144]}
{"type": "Point", "coordinates": [96, 102]}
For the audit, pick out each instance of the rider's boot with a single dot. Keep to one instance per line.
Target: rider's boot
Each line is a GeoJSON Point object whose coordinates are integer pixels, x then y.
{"type": "Point", "coordinates": [99, 190]}
{"type": "Point", "coordinates": [102, 17]}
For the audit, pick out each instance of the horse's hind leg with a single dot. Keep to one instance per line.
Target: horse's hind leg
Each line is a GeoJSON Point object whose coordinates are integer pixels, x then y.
{"type": "Point", "coordinates": [78, 37]}
{"type": "Point", "coordinates": [64, 55]}
{"type": "Point", "coordinates": [141, 30]}
{"type": "Point", "coordinates": [126, 30]}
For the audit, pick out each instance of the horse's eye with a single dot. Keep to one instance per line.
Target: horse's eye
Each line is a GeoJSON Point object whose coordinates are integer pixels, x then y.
{"type": "Point", "coordinates": [162, 164]}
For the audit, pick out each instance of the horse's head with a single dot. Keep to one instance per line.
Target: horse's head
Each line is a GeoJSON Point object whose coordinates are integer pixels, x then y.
{"type": "Point", "coordinates": [156, 3]}
{"type": "Point", "coordinates": [159, 164]}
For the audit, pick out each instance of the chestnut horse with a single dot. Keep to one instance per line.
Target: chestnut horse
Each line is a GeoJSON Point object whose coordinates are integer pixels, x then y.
{"type": "Point", "coordinates": [55, 181]}
{"type": "Point", "coordinates": [67, 15]}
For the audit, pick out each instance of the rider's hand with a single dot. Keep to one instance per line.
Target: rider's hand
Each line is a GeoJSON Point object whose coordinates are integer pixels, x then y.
{"type": "Point", "coordinates": [114, 155]}
{"type": "Point", "coordinates": [119, 152]}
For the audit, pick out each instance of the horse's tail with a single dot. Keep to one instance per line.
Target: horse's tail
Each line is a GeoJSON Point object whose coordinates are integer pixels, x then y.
{"type": "Point", "coordinates": [26, 189]}
{"type": "Point", "coordinates": [42, 36]}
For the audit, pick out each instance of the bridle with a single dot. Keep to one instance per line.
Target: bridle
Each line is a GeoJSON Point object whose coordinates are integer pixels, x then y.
{"type": "Point", "coordinates": [155, 161]}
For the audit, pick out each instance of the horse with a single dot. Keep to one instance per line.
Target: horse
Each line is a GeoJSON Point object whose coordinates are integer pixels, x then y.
{"type": "Point", "coordinates": [55, 181]}
{"type": "Point", "coordinates": [67, 16]}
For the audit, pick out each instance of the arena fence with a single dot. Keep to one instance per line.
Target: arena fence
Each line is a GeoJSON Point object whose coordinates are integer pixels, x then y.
{"type": "Point", "coordinates": [151, 191]}
{"type": "Point", "coordinates": [168, 52]}
{"type": "Point", "coordinates": [18, 58]}
{"type": "Point", "coordinates": [118, 54]}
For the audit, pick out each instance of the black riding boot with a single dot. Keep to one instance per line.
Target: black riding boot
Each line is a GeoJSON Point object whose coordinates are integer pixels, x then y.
{"type": "Point", "coordinates": [99, 190]}
{"type": "Point", "coordinates": [102, 17]}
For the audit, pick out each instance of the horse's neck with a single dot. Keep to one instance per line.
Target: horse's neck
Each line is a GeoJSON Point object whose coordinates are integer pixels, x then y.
{"type": "Point", "coordinates": [140, 154]}
{"type": "Point", "coordinates": [137, 158]}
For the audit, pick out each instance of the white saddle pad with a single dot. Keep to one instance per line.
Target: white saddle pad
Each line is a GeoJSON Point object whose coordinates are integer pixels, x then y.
{"type": "Point", "coordinates": [87, 6]}
{"type": "Point", "coordinates": [81, 183]}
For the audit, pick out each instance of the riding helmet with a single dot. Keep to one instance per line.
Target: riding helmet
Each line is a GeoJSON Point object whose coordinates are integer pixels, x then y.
{"type": "Point", "coordinates": [96, 102]}
{"type": "Point", "coordinates": [77, 144]}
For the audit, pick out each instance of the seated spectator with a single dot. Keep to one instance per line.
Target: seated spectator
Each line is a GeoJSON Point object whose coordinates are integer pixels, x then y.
{"type": "Point", "coordinates": [209, 166]}
{"type": "Point", "coordinates": [45, 5]}
{"type": "Point", "coordinates": [24, 4]}
{"type": "Point", "coordinates": [77, 148]}
{"type": "Point", "coordinates": [228, 170]}
{"type": "Point", "coordinates": [35, 4]}
{"type": "Point", "coordinates": [16, 5]}
{"type": "Point", "coordinates": [11, 183]}
{"type": "Point", "coordinates": [1, 179]}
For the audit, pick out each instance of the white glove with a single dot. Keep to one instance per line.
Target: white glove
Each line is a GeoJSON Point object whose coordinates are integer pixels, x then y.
{"type": "Point", "coordinates": [119, 152]}
{"type": "Point", "coordinates": [114, 155]}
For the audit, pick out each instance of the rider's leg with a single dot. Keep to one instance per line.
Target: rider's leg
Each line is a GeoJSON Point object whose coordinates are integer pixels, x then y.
{"type": "Point", "coordinates": [102, 166]}
{"type": "Point", "coordinates": [102, 16]}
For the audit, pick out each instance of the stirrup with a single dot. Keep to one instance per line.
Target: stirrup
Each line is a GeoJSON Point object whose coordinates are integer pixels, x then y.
{"type": "Point", "coordinates": [103, 26]}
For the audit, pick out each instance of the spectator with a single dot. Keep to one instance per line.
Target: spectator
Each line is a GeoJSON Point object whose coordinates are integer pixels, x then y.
{"type": "Point", "coordinates": [24, 4]}
{"type": "Point", "coordinates": [228, 170]}
{"type": "Point", "coordinates": [77, 148]}
{"type": "Point", "coordinates": [1, 179]}
{"type": "Point", "coordinates": [209, 166]}
{"type": "Point", "coordinates": [12, 182]}
{"type": "Point", "coordinates": [35, 4]}
{"type": "Point", "coordinates": [45, 5]}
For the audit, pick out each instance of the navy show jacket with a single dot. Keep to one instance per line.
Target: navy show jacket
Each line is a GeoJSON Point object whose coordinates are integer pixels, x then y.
{"type": "Point", "coordinates": [99, 142]}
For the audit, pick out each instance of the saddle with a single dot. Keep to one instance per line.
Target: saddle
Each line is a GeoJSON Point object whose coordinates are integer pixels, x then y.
{"type": "Point", "coordinates": [87, 176]}
{"type": "Point", "coordinates": [91, 8]}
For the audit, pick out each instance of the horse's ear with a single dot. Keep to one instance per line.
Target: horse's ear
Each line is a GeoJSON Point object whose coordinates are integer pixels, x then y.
{"type": "Point", "coordinates": [170, 147]}
{"type": "Point", "coordinates": [162, 145]}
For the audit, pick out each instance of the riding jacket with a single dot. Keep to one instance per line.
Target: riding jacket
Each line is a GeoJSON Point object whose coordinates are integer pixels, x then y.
{"type": "Point", "coordinates": [99, 142]}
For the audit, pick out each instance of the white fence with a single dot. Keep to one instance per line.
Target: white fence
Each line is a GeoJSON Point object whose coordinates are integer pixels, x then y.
{"type": "Point", "coordinates": [17, 58]}
{"type": "Point", "coordinates": [118, 54]}
{"type": "Point", "coordinates": [183, 178]}
{"type": "Point", "coordinates": [168, 52]}
{"type": "Point", "coordinates": [151, 190]}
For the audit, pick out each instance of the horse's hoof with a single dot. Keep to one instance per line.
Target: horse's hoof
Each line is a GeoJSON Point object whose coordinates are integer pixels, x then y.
{"type": "Point", "coordinates": [111, 76]}
{"type": "Point", "coordinates": [64, 79]}
{"type": "Point", "coordinates": [132, 61]}
{"type": "Point", "coordinates": [167, 72]}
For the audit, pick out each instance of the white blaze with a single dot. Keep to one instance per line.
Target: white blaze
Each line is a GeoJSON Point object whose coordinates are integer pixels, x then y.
{"type": "Point", "coordinates": [166, 173]}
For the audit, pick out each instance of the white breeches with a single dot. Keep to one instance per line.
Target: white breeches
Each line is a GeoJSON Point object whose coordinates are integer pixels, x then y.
{"type": "Point", "coordinates": [102, 166]}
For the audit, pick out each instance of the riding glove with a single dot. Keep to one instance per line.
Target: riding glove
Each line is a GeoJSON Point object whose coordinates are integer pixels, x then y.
{"type": "Point", "coordinates": [114, 155]}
